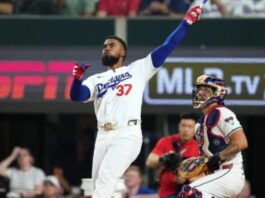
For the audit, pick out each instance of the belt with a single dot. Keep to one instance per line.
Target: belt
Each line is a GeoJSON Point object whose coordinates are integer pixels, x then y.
{"type": "Point", "coordinates": [228, 166]}
{"type": "Point", "coordinates": [108, 126]}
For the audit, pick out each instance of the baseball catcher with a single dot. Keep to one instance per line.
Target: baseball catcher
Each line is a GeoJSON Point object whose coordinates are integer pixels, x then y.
{"type": "Point", "coordinates": [219, 172]}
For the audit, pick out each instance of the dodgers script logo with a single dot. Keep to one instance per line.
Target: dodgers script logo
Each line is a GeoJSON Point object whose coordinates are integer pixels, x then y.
{"type": "Point", "coordinates": [112, 83]}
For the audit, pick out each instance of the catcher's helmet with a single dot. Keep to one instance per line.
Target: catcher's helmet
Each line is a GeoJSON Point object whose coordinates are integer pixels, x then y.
{"type": "Point", "coordinates": [217, 87]}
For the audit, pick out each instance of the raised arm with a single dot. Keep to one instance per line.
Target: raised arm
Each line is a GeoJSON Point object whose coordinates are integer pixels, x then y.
{"type": "Point", "coordinates": [78, 91]}
{"type": "Point", "coordinates": [160, 54]}
{"type": "Point", "coordinates": [6, 162]}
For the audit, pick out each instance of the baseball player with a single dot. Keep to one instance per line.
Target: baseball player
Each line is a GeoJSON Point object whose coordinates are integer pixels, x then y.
{"type": "Point", "coordinates": [221, 140]}
{"type": "Point", "coordinates": [117, 95]}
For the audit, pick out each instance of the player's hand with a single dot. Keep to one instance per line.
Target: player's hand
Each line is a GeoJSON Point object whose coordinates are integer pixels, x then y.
{"type": "Point", "coordinates": [213, 163]}
{"type": "Point", "coordinates": [193, 15]}
{"type": "Point", "coordinates": [79, 70]}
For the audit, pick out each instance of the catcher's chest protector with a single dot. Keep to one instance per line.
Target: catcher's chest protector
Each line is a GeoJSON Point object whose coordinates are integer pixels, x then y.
{"type": "Point", "coordinates": [209, 140]}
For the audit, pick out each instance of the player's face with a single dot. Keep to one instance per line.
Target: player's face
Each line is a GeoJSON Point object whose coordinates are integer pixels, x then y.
{"type": "Point", "coordinates": [132, 179]}
{"type": "Point", "coordinates": [204, 93]}
{"type": "Point", "coordinates": [186, 129]}
{"type": "Point", "coordinates": [112, 52]}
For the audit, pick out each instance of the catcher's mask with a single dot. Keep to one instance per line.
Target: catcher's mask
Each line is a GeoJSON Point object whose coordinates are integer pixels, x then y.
{"type": "Point", "coordinates": [214, 85]}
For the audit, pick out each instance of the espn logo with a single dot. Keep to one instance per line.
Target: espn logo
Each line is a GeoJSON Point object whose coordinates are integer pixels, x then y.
{"type": "Point", "coordinates": [35, 79]}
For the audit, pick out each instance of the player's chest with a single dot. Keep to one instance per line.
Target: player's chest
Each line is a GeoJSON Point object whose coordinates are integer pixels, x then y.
{"type": "Point", "coordinates": [211, 135]}
{"type": "Point", "coordinates": [117, 84]}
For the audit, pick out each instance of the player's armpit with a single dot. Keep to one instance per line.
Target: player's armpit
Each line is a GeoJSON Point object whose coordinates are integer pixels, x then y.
{"type": "Point", "coordinates": [237, 143]}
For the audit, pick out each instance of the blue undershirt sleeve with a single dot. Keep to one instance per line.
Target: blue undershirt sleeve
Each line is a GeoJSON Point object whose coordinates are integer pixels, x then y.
{"type": "Point", "coordinates": [78, 91]}
{"type": "Point", "coordinates": [160, 53]}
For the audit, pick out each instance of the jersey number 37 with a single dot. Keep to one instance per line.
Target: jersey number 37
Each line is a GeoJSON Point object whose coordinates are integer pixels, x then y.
{"type": "Point", "coordinates": [123, 89]}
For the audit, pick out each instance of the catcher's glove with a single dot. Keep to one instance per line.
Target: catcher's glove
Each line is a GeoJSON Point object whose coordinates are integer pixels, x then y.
{"type": "Point", "coordinates": [192, 167]}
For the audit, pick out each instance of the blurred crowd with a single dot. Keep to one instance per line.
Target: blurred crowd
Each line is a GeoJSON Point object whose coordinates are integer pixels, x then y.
{"type": "Point", "coordinates": [21, 177]}
{"type": "Point", "coordinates": [129, 8]}
{"type": "Point", "coordinates": [26, 180]}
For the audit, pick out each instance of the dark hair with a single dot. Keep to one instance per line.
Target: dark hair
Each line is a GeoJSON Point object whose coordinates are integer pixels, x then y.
{"type": "Point", "coordinates": [135, 168]}
{"type": "Point", "coordinates": [122, 42]}
{"type": "Point", "coordinates": [191, 116]}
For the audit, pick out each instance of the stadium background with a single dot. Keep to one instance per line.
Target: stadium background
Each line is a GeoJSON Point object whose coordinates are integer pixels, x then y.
{"type": "Point", "coordinates": [42, 117]}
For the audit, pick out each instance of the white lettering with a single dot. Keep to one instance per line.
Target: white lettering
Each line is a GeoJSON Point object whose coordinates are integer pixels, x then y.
{"type": "Point", "coordinates": [188, 81]}
{"type": "Point", "coordinates": [238, 80]}
{"type": "Point", "coordinates": [252, 86]}
{"type": "Point", "coordinates": [170, 85]}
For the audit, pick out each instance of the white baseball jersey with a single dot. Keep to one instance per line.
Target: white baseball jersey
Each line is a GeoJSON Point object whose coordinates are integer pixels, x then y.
{"type": "Point", "coordinates": [213, 131]}
{"type": "Point", "coordinates": [118, 93]}
{"type": "Point", "coordinates": [117, 96]}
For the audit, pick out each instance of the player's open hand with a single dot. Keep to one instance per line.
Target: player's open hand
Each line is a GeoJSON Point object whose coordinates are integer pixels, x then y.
{"type": "Point", "coordinates": [79, 70]}
{"type": "Point", "coordinates": [193, 15]}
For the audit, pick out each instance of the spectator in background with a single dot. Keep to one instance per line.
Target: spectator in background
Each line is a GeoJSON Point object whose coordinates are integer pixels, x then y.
{"type": "Point", "coordinates": [163, 7]}
{"type": "Point", "coordinates": [26, 180]}
{"type": "Point", "coordinates": [4, 186]}
{"type": "Point", "coordinates": [72, 156]}
{"type": "Point", "coordinates": [166, 155]}
{"type": "Point", "coordinates": [133, 181]}
{"type": "Point", "coordinates": [59, 174]}
{"type": "Point", "coordinates": [6, 7]}
{"type": "Point", "coordinates": [51, 187]}
{"type": "Point", "coordinates": [118, 8]}
{"type": "Point", "coordinates": [80, 7]}
{"type": "Point", "coordinates": [215, 8]}
{"type": "Point", "coordinates": [227, 8]}
{"type": "Point", "coordinates": [259, 8]}
{"type": "Point", "coordinates": [40, 7]}
{"type": "Point", "coordinates": [221, 7]}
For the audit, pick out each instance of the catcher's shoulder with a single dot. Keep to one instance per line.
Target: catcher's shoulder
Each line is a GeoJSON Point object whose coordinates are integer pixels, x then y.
{"type": "Point", "coordinates": [218, 114]}
{"type": "Point", "coordinates": [224, 111]}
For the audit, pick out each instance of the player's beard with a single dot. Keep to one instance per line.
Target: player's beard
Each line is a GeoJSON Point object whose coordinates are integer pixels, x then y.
{"type": "Point", "coordinates": [109, 60]}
